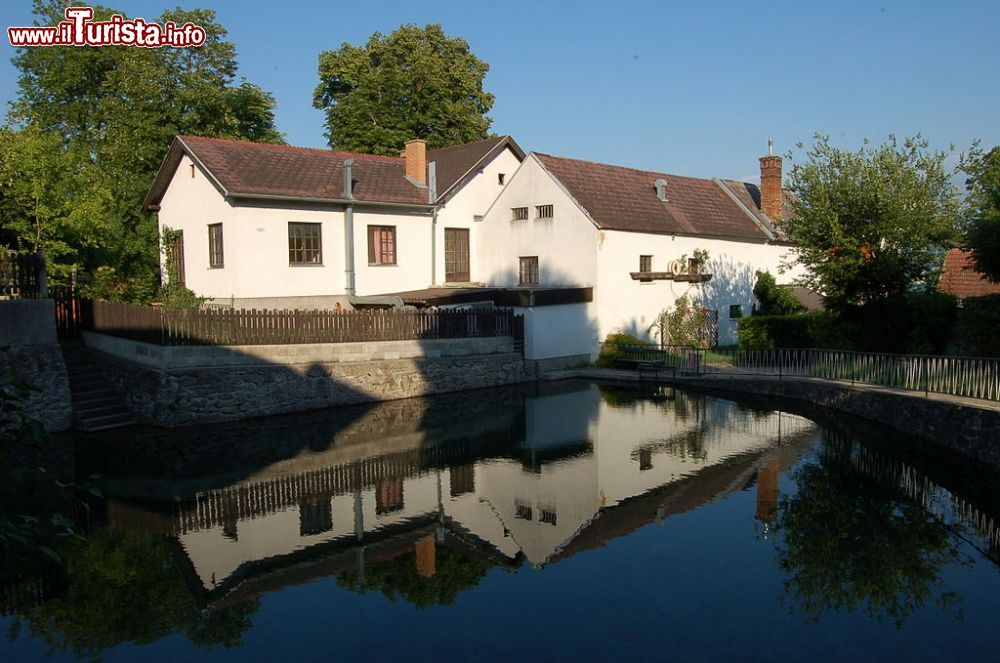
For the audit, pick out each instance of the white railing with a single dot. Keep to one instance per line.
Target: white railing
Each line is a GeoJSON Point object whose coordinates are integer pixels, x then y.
{"type": "Point", "coordinates": [973, 377]}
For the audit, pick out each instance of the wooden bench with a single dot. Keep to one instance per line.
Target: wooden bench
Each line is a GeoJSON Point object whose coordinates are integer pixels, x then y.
{"type": "Point", "coordinates": [646, 360]}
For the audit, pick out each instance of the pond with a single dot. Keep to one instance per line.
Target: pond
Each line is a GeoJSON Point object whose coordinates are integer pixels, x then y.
{"type": "Point", "coordinates": [562, 520]}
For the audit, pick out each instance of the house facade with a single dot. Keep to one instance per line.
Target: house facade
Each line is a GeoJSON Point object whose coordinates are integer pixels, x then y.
{"type": "Point", "coordinates": [273, 226]}
{"type": "Point", "coordinates": [630, 235]}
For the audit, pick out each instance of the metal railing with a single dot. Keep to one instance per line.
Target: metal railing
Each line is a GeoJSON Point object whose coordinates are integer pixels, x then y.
{"type": "Point", "coordinates": [973, 377]}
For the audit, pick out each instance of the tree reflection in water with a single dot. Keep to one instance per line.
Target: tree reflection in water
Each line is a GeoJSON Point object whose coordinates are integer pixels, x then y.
{"type": "Point", "coordinates": [848, 543]}
{"type": "Point", "coordinates": [128, 586]}
{"type": "Point", "coordinates": [408, 577]}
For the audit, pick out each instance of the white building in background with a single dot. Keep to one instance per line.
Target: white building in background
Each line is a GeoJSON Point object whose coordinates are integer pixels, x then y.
{"type": "Point", "coordinates": [630, 234]}
{"type": "Point", "coordinates": [273, 226]}
{"type": "Point", "coordinates": [582, 249]}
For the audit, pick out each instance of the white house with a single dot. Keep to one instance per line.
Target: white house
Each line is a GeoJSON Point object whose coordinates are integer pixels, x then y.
{"type": "Point", "coordinates": [273, 226]}
{"type": "Point", "coordinates": [629, 234]}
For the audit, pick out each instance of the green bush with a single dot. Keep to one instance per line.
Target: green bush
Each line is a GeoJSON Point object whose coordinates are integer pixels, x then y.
{"type": "Point", "coordinates": [978, 322]}
{"type": "Point", "coordinates": [764, 332]}
{"type": "Point", "coordinates": [773, 299]}
{"type": "Point", "coordinates": [611, 349]}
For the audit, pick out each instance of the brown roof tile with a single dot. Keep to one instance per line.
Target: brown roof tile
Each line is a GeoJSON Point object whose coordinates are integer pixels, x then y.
{"type": "Point", "coordinates": [619, 198]}
{"type": "Point", "coordinates": [960, 278]}
{"type": "Point", "coordinates": [455, 163]}
{"type": "Point", "coordinates": [280, 170]}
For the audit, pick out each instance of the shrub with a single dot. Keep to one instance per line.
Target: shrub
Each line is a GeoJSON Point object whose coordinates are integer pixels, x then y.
{"type": "Point", "coordinates": [765, 332]}
{"type": "Point", "coordinates": [612, 348]}
{"type": "Point", "coordinates": [772, 299]}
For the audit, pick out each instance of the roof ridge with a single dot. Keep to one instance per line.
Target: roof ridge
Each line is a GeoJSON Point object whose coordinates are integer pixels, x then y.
{"type": "Point", "coordinates": [631, 168]}
{"type": "Point", "coordinates": [494, 139]}
{"type": "Point", "coordinates": [278, 146]}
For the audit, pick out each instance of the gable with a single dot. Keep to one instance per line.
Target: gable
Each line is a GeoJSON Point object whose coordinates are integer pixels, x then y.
{"type": "Point", "coordinates": [619, 198]}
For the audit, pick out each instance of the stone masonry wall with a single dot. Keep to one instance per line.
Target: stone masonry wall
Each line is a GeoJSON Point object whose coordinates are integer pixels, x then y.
{"type": "Point", "coordinates": [973, 432]}
{"type": "Point", "coordinates": [42, 369]}
{"type": "Point", "coordinates": [186, 396]}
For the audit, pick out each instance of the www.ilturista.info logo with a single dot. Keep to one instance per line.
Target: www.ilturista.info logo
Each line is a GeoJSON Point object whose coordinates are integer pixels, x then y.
{"type": "Point", "coordinates": [79, 30]}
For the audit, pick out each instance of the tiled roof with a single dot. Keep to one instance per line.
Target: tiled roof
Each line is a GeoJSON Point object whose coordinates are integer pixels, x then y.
{"type": "Point", "coordinates": [619, 198]}
{"type": "Point", "coordinates": [960, 278]}
{"type": "Point", "coordinates": [263, 169]}
{"type": "Point", "coordinates": [280, 170]}
{"type": "Point", "coordinates": [456, 162]}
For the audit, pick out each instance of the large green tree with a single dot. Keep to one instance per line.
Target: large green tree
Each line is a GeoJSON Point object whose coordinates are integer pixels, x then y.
{"type": "Point", "coordinates": [982, 210]}
{"type": "Point", "coordinates": [870, 224]}
{"type": "Point", "coordinates": [413, 83]}
{"type": "Point", "coordinates": [113, 111]}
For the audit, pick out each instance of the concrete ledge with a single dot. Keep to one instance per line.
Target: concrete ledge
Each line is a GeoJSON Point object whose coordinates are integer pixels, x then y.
{"type": "Point", "coordinates": [172, 358]}
{"type": "Point", "coordinates": [27, 322]}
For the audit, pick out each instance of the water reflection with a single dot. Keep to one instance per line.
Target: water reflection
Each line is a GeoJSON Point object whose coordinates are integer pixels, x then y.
{"type": "Point", "coordinates": [420, 500]}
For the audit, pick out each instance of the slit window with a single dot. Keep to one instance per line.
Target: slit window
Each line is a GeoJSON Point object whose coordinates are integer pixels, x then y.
{"type": "Point", "coordinates": [645, 263]}
{"type": "Point", "coordinates": [528, 270]}
{"type": "Point", "coordinates": [543, 211]}
{"type": "Point", "coordinates": [305, 244]}
{"type": "Point", "coordinates": [523, 511]}
{"type": "Point", "coordinates": [501, 178]}
{"type": "Point", "coordinates": [381, 245]}
{"type": "Point", "coordinates": [215, 253]}
{"type": "Point", "coordinates": [518, 213]}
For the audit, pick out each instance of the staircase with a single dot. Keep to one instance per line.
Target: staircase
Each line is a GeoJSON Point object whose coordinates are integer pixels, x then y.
{"type": "Point", "coordinates": [96, 405]}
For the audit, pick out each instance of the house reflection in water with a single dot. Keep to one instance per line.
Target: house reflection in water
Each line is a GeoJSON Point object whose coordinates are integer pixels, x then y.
{"type": "Point", "coordinates": [533, 475]}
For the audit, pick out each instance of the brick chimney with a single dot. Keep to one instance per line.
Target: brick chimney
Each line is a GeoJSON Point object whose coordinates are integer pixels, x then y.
{"type": "Point", "coordinates": [770, 185]}
{"type": "Point", "coordinates": [415, 155]}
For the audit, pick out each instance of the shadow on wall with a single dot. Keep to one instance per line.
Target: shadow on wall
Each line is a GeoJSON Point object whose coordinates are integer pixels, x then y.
{"type": "Point", "coordinates": [563, 330]}
{"type": "Point", "coordinates": [732, 283]}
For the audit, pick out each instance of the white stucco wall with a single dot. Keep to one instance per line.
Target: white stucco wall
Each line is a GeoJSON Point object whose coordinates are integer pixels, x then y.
{"type": "Point", "coordinates": [255, 240]}
{"type": "Point", "coordinates": [623, 304]}
{"type": "Point", "coordinates": [565, 244]}
{"type": "Point", "coordinates": [471, 200]}
{"type": "Point", "coordinates": [560, 331]}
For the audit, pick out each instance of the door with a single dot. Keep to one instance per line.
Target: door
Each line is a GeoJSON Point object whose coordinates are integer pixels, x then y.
{"type": "Point", "coordinates": [456, 255]}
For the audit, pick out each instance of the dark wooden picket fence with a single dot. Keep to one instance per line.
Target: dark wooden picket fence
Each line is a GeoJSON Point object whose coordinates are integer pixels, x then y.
{"type": "Point", "coordinates": [271, 327]}
{"type": "Point", "coordinates": [21, 274]}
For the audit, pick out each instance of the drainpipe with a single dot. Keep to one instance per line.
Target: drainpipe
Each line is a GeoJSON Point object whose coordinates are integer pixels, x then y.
{"type": "Point", "coordinates": [432, 185]}
{"type": "Point", "coordinates": [349, 229]}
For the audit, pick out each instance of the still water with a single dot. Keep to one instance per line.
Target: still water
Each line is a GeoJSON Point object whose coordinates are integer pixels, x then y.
{"type": "Point", "coordinates": [550, 522]}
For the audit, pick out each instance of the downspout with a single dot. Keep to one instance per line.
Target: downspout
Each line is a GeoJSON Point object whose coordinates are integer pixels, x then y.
{"type": "Point", "coordinates": [349, 229]}
{"type": "Point", "coordinates": [432, 186]}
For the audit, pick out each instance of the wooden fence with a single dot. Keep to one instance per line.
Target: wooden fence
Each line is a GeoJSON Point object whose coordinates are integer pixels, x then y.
{"type": "Point", "coordinates": [21, 275]}
{"type": "Point", "coordinates": [272, 327]}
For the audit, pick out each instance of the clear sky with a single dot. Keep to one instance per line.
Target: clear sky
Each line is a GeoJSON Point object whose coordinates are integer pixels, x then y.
{"type": "Point", "coordinates": [693, 88]}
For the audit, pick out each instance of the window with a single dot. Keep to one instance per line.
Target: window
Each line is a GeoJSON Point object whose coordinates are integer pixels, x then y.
{"type": "Point", "coordinates": [528, 272]}
{"type": "Point", "coordinates": [175, 259]}
{"type": "Point", "coordinates": [305, 246]}
{"type": "Point", "coordinates": [548, 516]}
{"type": "Point", "coordinates": [315, 516]}
{"type": "Point", "coordinates": [501, 178]}
{"type": "Point", "coordinates": [518, 213]}
{"type": "Point", "coordinates": [522, 511]}
{"type": "Point", "coordinates": [463, 480]}
{"type": "Point", "coordinates": [645, 459]}
{"type": "Point", "coordinates": [215, 245]}
{"type": "Point", "coordinates": [735, 311]}
{"type": "Point", "coordinates": [543, 211]}
{"type": "Point", "coordinates": [388, 496]}
{"type": "Point", "coordinates": [645, 263]}
{"type": "Point", "coordinates": [381, 245]}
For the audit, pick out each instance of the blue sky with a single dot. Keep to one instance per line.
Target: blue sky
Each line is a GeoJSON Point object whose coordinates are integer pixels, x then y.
{"type": "Point", "coordinates": [692, 88]}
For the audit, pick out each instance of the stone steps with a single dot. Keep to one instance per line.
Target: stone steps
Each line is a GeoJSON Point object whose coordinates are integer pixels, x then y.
{"type": "Point", "coordinates": [96, 405]}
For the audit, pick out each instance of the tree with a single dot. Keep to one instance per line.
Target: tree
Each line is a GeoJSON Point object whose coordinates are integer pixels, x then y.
{"type": "Point", "coordinates": [772, 299]}
{"type": "Point", "coordinates": [413, 83]}
{"type": "Point", "coordinates": [869, 224]}
{"type": "Point", "coordinates": [982, 209]}
{"type": "Point", "coordinates": [112, 112]}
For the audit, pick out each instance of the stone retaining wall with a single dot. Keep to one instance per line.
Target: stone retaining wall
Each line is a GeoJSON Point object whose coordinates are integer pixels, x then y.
{"type": "Point", "coordinates": [973, 432]}
{"type": "Point", "coordinates": [30, 355]}
{"type": "Point", "coordinates": [266, 383]}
